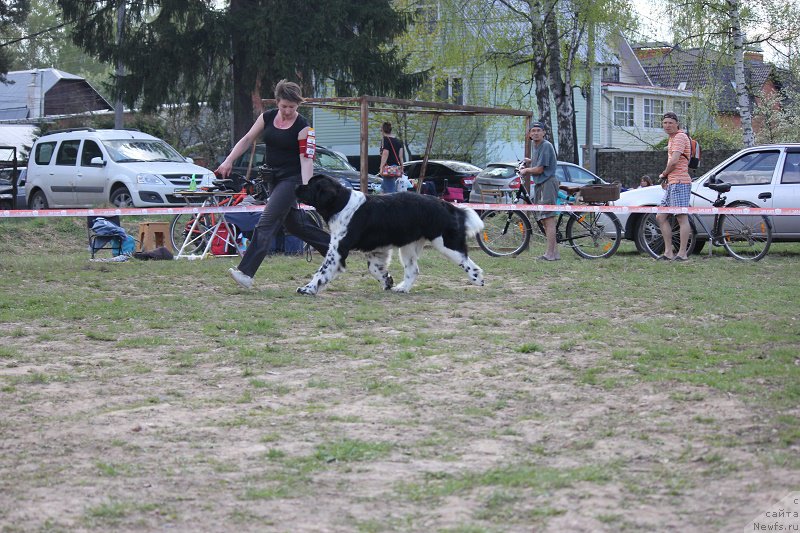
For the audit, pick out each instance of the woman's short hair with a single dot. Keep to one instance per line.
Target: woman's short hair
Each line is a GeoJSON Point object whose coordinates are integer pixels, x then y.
{"type": "Point", "coordinates": [288, 90]}
{"type": "Point", "coordinates": [646, 179]}
{"type": "Point", "coordinates": [386, 128]}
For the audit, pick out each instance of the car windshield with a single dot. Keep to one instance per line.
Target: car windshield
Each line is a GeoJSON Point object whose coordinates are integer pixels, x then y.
{"type": "Point", "coordinates": [332, 161]}
{"type": "Point", "coordinates": [498, 172]}
{"type": "Point", "coordinates": [138, 150]}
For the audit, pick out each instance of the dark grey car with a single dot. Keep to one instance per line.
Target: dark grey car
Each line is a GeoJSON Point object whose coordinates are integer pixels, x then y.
{"type": "Point", "coordinates": [503, 177]}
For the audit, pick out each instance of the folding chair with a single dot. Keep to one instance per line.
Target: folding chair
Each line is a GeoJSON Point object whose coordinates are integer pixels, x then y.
{"type": "Point", "coordinates": [103, 242]}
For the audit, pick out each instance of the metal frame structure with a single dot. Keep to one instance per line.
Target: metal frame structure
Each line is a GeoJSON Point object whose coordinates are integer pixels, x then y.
{"type": "Point", "coordinates": [365, 104]}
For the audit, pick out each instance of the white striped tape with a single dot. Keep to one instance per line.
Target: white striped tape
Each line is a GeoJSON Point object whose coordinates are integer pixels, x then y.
{"type": "Point", "coordinates": [144, 211]}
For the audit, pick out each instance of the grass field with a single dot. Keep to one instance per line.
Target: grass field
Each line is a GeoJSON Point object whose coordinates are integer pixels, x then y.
{"type": "Point", "coordinates": [616, 395]}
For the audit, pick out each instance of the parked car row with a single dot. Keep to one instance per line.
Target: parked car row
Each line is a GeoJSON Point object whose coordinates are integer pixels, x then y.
{"type": "Point", "coordinates": [84, 167]}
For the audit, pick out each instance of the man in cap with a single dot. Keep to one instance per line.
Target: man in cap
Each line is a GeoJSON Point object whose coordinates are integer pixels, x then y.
{"type": "Point", "coordinates": [542, 169]}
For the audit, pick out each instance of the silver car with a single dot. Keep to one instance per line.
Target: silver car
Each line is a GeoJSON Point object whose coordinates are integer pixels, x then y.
{"type": "Point", "coordinates": [767, 176]}
{"type": "Point", "coordinates": [503, 177]}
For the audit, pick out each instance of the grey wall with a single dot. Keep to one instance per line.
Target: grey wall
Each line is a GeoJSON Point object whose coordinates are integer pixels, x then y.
{"type": "Point", "coordinates": [628, 167]}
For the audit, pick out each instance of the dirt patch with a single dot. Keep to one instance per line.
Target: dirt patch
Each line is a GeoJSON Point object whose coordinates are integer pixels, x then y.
{"type": "Point", "coordinates": [365, 411]}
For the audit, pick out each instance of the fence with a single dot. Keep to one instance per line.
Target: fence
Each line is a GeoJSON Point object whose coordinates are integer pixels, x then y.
{"type": "Point", "coordinates": [629, 167]}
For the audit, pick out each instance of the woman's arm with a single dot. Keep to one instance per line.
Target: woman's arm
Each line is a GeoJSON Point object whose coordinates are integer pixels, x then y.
{"type": "Point", "coordinates": [306, 163]}
{"type": "Point", "coordinates": [384, 157]}
{"type": "Point", "coordinates": [244, 143]}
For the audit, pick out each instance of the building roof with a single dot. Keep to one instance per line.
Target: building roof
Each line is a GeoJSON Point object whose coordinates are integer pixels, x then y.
{"type": "Point", "coordinates": [696, 69]}
{"type": "Point", "coordinates": [48, 91]}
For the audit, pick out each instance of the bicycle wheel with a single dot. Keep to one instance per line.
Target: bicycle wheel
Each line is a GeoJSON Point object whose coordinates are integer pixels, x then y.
{"type": "Point", "coordinates": [745, 237]}
{"type": "Point", "coordinates": [594, 235]}
{"type": "Point", "coordinates": [504, 233]}
{"type": "Point", "coordinates": [179, 230]}
{"type": "Point", "coordinates": [651, 241]}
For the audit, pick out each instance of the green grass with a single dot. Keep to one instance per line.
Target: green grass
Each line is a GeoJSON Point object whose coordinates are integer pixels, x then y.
{"type": "Point", "coordinates": [158, 392]}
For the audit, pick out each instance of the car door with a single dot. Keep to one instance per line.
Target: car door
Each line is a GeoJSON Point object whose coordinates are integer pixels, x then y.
{"type": "Point", "coordinates": [90, 180]}
{"type": "Point", "coordinates": [787, 194]}
{"type": "Point", "coordinates": [751, 176]}
{"type": "Point", "coordinates": [62, 174]}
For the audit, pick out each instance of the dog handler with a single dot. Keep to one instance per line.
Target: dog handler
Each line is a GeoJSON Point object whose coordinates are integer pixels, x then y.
{"type": "Point", "coordinates": [290, 156]}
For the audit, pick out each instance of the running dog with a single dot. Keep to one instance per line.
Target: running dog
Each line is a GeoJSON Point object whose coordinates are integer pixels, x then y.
{"type": "Point", "coordinates": [377, 224]}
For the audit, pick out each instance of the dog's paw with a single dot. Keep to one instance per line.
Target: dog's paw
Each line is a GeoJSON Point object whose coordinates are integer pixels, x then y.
{"type": "Point", "coordinates": [388, 283]}
{"type": "Point", "coordinates": [401, 288]}
{"type": "Point", "coordinates": [308, 290]}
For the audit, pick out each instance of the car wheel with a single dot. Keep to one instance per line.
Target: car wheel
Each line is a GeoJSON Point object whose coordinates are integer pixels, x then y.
{"type": "Point", "coordinates": [651, 240]}
{"type": "Point", "coordinates": [121, 197]}
{"type": "Point", "coordinates": [38, 201]}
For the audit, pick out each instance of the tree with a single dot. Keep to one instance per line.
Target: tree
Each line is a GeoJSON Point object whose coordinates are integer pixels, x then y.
{"type": "Point", "coordinates": [730, 28]}
{"type": "Point", "coordinates": [190, 51]}
{"type": "Point", "coordinates": [12, 12]}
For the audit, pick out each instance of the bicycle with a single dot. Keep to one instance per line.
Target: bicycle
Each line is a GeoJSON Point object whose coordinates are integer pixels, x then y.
{"type": "Point", "coordinates": [183, 224]}
{"type": "Point", "coordinates": [590, 235]}
{"type": "Point", "coordinates": [744, 237]}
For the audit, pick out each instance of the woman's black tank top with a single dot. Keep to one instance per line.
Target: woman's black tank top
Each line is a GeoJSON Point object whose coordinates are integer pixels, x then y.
{"type": "Point", "coordinates": [282, 150]}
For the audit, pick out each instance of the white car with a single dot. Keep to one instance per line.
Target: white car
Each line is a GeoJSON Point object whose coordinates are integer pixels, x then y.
{"type": "Point", "coordinates": [84, 167]}
{"type": "Point", "coordinates": [765, 176]}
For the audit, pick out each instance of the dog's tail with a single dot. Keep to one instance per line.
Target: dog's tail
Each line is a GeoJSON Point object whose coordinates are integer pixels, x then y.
{"type": "Point", "coordinates": [472, 221]}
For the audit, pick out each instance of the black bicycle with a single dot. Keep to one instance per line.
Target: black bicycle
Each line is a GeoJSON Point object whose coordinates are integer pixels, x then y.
{"type": "Point", "coordinates": [591, 235]}
{"type": "Point", "coordinates": [744, 237]}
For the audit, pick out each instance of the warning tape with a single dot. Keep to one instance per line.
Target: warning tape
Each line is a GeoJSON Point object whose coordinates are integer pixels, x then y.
{"type": "Point", "coordinates": [144, 211]}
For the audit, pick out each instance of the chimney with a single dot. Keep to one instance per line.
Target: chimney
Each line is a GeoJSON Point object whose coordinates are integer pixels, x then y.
{"type": "Point", "coordinates": [750, 55]}
{"type": "Point", "coordinates": [35, 95]}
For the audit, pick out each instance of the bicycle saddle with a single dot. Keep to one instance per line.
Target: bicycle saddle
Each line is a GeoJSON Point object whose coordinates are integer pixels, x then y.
{"type": "Point", "coordinates": [222, 184]}
{"type": "Point", "coordinates": [719, 186]}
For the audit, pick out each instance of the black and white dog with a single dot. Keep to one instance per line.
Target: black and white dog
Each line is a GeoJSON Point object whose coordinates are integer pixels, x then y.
{"type": "Point", "coordinates": [377, 224]}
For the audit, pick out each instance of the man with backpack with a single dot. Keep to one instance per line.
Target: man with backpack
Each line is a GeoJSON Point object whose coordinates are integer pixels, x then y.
{"type": "Point", "coordinates": [677, 184]}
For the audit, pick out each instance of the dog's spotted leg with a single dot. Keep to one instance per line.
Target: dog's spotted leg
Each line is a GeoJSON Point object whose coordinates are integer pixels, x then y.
{"type": "Point", "coordinates": [408, 256]}
{"type": "Point", "coordinates": [331, 267]}
{"type": "Point", "coordinates": [378, 265]}
{"type": "Point", "coordinates": [474, 272]}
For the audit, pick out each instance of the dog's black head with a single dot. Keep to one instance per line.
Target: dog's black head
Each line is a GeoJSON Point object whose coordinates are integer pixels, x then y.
{"type": "Point", "coordinates": [324, 194]}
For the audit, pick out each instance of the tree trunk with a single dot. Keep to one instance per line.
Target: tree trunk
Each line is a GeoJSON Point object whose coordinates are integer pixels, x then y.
{"type": "Point", "coordinates": [561, 89]}
{"type": "Point", "coordinates": [742, 96]}
{"type": "Point", "coordinates": [243, 82]}
{"type": "Point", "coordinates": [540, 65]}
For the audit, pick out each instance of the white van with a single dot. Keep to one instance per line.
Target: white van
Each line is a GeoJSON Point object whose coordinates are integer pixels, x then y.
{"type": "Point", "coordinates": [84, 167]}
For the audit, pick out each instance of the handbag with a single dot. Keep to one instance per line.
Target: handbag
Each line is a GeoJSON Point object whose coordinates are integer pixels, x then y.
{"type": "Point", "coordinates": [392, 171]}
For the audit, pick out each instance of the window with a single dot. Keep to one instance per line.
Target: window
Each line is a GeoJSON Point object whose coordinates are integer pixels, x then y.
{"type": "Point", "coordinates": [754, 168]}
{"type": "Point", "coordinates": [68, 153]}
{"type": "Point", "coordinates": [623, 111]}
{"type": "Point", "coordinates": [653, 112]}
{"type": "Point", "coordinates": [427, 13]}
{"type": "Point", "coordinates": [579, 175]}
{"type": "Point", "coordinates": [681, 108]}
{"type": "Point", "coordinates": [610, 73]}
{"type": "Point", "coordinates": [44, 152]}
{"type": "Point", "coordinates": [451, 90]}
{"type": "Point", "coordinates": [791, 168]}
{"type": "Point", "coordinates": [90, 150]}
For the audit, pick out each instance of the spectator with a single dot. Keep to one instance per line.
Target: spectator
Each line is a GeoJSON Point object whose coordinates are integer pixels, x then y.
{"type": "Point", "coordinates": [645, 181]}
{"type": "Point", "coordinates": [543, 173]}
{"type": "Point", "coordinates": [391, 158]}
{"type": "Point", "coordinates": [677, 184]}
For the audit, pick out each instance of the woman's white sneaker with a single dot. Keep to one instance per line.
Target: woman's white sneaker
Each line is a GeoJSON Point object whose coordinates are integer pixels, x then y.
{"type": "Point", "coordinates": [242, 279]}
